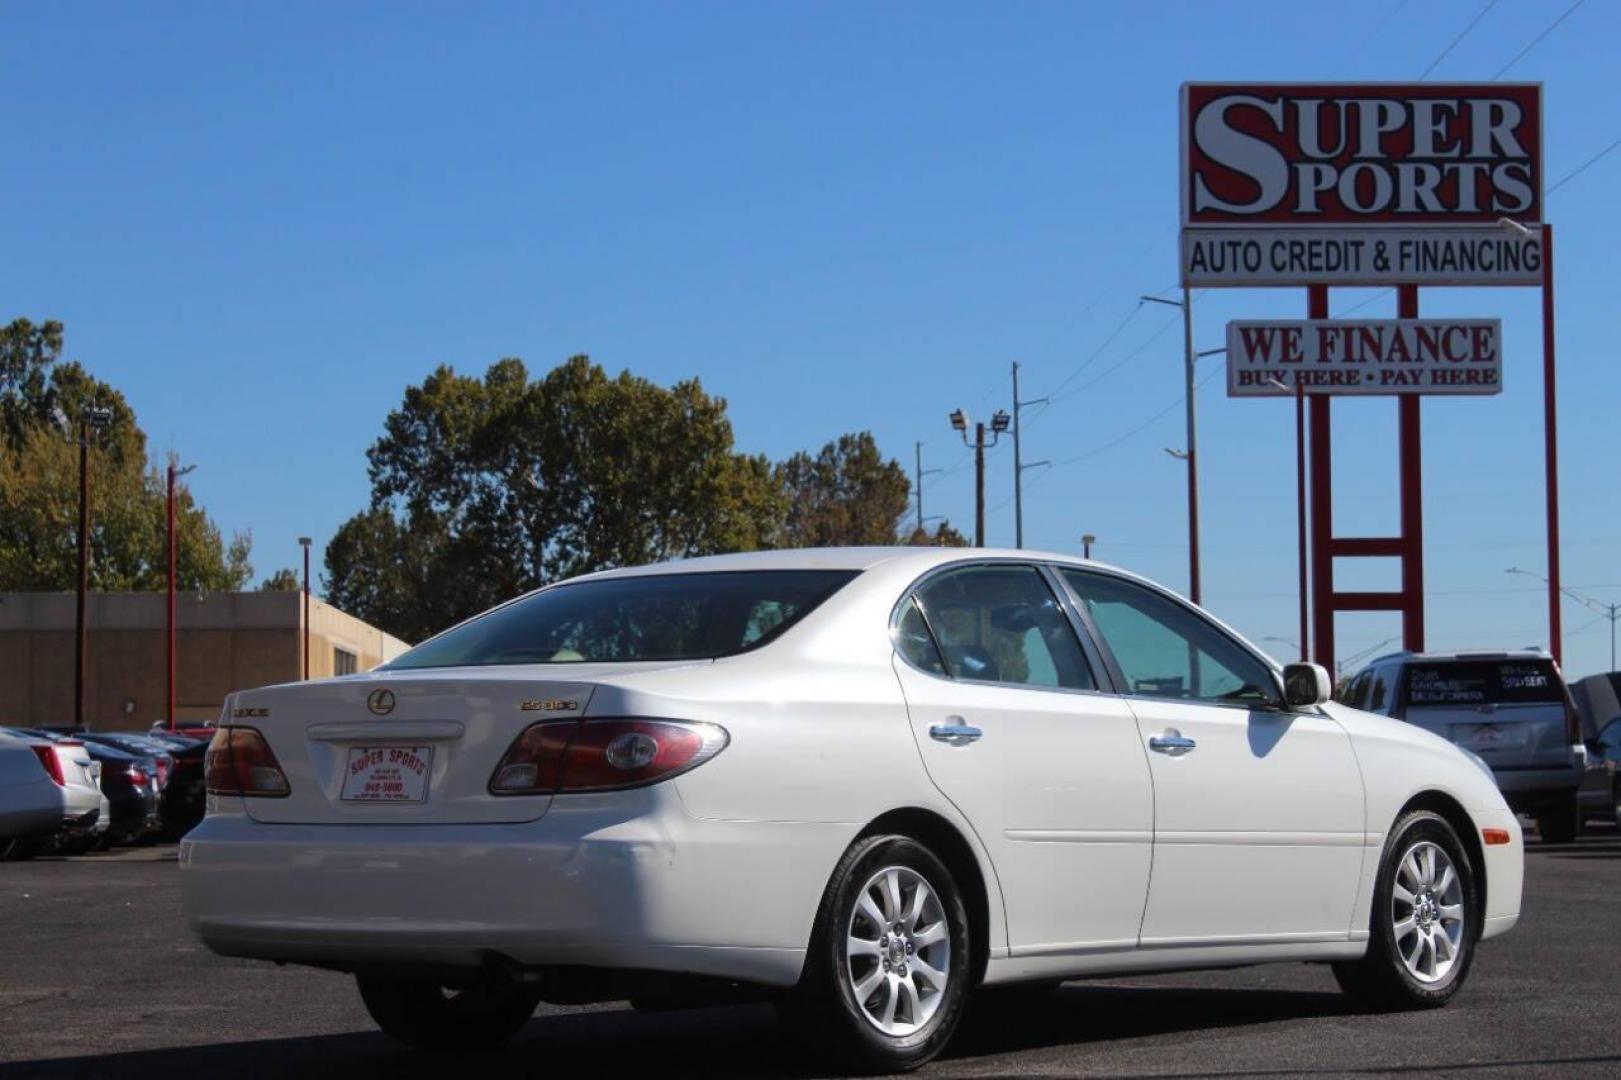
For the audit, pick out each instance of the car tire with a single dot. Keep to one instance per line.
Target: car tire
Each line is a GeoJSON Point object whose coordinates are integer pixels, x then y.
{"type": "Point", "coordinates": [427, 1014]}
{"type": "Point", "coordinates": [1557, 824]}
{"type": "Point", "coordinates": [18, 850]}
{"type": "Point", "coordinates": [1425, 922]}
{"type": "Point", "coordinates": [891, 912]}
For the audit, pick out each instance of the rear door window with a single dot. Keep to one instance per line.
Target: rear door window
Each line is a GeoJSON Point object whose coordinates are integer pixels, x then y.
{"type": "Point", "coordinates": [1003, 624]}
{"type": "Point", "coordinates": [1464, 683]}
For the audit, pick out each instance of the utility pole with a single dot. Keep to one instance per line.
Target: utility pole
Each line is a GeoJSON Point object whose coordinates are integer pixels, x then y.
{"type": "Point", "coordinates": [1191, 454]}
{"type": "Point", "coordinates": [174, 472]}
{"type": "Point", "coordinates": [921, 473]}
{"type": "Point", "coordinates": [1018, 462]}
{"type": "Point", "coordinates": [93, 419]}
{"type": "Point", "coordinates": [304, 542]}
{"type": "Point", "coordinates": [1087, 540]}
{"type": "Point", "coordinates": [999, 424]}
{"type": "Point", "coordinates": [1610, 611]}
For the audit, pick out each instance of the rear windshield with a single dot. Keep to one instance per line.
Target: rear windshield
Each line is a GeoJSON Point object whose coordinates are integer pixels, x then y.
{"type": "Point", "coordinates": [652, 617]}
{"type": "Point", "coordinates": [1484, 682]}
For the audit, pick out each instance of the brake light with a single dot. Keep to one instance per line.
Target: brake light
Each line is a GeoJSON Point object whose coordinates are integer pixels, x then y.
{"type": "Point", "coordinates": [240, 762]}
{"type": "Point", "coordinates": [1573, 727]}
{"type": "Point", "coordinates": [53, 764]}
{"type": "Point", "coordinates": [566, 756]}
{"type": "Point", "coordinates": [135, 774]}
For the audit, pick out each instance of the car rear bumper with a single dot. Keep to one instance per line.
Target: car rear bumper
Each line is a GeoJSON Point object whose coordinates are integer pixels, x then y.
{"type": "Point", "coordinates": [626, 880]}
{"type": "Point", "coordinates": [1530, 789]}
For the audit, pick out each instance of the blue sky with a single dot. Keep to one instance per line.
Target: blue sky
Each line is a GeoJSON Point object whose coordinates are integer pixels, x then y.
{"type": "Point", "coordinates": [263, 221]}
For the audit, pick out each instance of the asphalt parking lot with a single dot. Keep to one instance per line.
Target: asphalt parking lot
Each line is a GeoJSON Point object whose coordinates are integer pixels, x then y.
{"type": "Point", "coordinates": [99, 978]}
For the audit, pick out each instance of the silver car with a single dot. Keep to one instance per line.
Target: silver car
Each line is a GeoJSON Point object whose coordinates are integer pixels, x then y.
{"type": "Point", "coordinates": [47, 788]}
{"type": "Point", "coordinates": [1511, 708]}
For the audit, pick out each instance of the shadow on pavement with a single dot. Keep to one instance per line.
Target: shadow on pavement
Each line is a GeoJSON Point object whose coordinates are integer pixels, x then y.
{"type": "Point", "coordinates": [727, 1042]}
{"type": "Point", "coordinates": [745, 1041]}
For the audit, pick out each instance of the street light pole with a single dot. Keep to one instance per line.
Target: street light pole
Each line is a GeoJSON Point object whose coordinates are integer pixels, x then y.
{"type": "Point", "coordinates": [999, 424]}
{"type": "Point", "coordinates": [304, 542]}
{"type": "Point", "coordinates": [174, 472]}
{"type": "Point", "coordinates": [1191, 455]}
{"type": "Point", "coordinates": [93, 419]}
{"type": "Point", "coordinates": [1018, 462]}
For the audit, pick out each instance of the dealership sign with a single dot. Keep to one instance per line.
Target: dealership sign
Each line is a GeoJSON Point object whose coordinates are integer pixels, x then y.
{"type": "Point", "coordinates": [1273, 357]}
{"type": "Point", "coordinates": [1267, 162]}
{"type": "Point", "coordinates": [1490, 256]}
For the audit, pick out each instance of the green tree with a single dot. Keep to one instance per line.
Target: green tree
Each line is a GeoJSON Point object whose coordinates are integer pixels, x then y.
{"type": "Point", "coordinates": [845, 495]}
{"type": "Point", "coordinates": [486, 488]}
{"type": "Point", "coordinates": [942, 536]}
{"type": "Point", "coordinates": [284, 580]}
{"type": "Point", "coordinates": [41, 399]}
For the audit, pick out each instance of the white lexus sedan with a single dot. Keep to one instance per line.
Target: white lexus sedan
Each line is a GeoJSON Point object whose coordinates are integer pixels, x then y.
{"type": "Point", "coordinates": [865, 782]}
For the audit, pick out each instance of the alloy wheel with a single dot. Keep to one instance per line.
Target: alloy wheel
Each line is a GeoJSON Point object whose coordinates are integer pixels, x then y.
{"type": "Point", "coordinates": [1427, 912]}
{"type": "Point", "coordinates": [898, 950]}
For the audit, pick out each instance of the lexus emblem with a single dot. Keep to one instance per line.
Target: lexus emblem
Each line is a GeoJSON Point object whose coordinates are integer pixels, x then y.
{"type": "Point", "coordinates": [380, 701]}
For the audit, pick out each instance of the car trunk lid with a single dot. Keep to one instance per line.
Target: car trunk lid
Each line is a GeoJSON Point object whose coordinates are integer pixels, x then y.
{"type": "Point", "coordinates": [417, 747]}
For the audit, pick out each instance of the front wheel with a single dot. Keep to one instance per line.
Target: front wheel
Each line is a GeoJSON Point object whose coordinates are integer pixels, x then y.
{"type": "Point", "coordinates": [1426, 920]}
{"type": "Point", "coordinates": [888, 970]}
{"type": "Point", "coordinates": [426, 1014]}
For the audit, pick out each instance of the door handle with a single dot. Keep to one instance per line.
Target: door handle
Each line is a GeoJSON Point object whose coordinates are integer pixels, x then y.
{"type": "Point", "coordinates": [958, 734]}
{"type": "Point", "coordinates": [1172, 742]}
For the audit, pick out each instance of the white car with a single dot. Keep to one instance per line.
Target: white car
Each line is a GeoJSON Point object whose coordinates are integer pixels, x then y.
{"type": "Point", "coordinates": [865, 781]}
{"type": "Point", "coordinates": [47, 788]}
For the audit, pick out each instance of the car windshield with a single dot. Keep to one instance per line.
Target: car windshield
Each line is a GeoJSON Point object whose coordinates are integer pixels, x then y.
{"type": "Point", "coordinates": [1484, 682]}
{"type": "Point", "coordinates": [626, 619]}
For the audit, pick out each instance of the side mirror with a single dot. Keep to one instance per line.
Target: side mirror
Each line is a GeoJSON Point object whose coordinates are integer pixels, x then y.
{"type": "Point", "coordinates": [1305, 685]}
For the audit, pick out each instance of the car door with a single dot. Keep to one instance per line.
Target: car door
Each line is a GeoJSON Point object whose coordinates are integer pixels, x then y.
{"type": "Point", "coordinates": [1013, 729]}
{"type": "Point", "coordinates": [1258, 811]}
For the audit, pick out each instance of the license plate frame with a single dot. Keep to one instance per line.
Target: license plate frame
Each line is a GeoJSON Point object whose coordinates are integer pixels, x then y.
{"type": "Point", "coordinates": [394, 774]}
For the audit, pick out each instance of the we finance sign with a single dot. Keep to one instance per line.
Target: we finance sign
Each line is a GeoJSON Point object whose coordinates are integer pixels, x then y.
{"type": "Point", "coordinates": [1272, 357]}
{"type": "Point", "coordinates": [1361, 184]}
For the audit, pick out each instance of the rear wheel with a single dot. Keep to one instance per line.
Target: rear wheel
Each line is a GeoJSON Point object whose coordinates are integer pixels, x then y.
{"type": "Point", "coordinates": [426, 1013]}
{"type": "Point", "coordinates": [888, 970]}
{"type": "Point", "coordinates": [1557, 824]}
{"type": "Point", "coordinates": [18, 850]}
{"type": "Point", "coordinates": [1426, 920]}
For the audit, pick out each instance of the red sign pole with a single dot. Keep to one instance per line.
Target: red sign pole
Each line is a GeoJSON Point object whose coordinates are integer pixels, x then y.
{"type": "Point", "coordinates": [1550, 434]}
{"type": "Point", "coordinates": [1322, 514]}
{"type": "Point", "coordinates": [1300, 509]}
{"type": "Point", "coordinates": [1411, 450]}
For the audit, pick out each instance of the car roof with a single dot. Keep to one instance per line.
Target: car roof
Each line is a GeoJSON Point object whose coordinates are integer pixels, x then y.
{"type": "Point", "coordinates": [1464, 655]}
{"type": "Point", "coordinates": [837, 558]}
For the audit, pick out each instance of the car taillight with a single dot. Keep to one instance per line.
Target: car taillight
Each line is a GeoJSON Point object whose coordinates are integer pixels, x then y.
{"type": "Point", "coordinates": [53, 765]}
{"type": "Point", "coordinates": [163, 772]}
{"type": "Point", "coordinates": [566, 756]}
{"type": "Point", "coordinates": [240, 762]}
{"type": "Point", "coordinates": [1573, 727]}
{"type": "Point", "coordinates": [135, 774]}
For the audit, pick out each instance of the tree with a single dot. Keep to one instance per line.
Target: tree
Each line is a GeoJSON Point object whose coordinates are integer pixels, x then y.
{"type": "Point", "coordinates": [486, 488]}
{"type": "Point", "coordinates": [284, 580]}
{"type": "Point", "coordinates": [41, 398]}
{"type": "Point", "coordinates": [943, 536]}
{"type": "Point", "coordinates": [846, 495]}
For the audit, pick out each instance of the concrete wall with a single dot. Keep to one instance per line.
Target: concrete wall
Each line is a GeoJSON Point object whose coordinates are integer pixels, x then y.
{"type": "Point", "coordinates": [223, 642]}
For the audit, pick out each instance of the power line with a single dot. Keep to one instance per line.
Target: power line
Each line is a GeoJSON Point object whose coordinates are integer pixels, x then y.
{"type": "Point", "coordinates": [1461, 35]}
{"type": "Point", "coordinates": [1578, 170]}
{"type": "Point", "coordinates": [1537, 40]}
